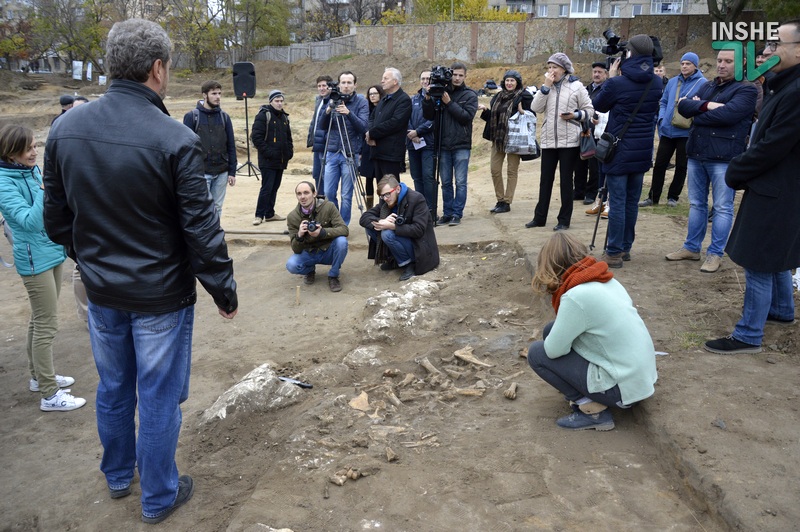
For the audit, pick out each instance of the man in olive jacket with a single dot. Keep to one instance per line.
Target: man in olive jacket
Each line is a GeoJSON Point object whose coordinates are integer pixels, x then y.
{"type": "Point", "coordinates": [319, 236]}
{"type": "Point", "coordinates": [764, 238]}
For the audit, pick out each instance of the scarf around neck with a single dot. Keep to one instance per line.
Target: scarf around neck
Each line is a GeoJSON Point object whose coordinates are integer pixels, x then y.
{"type": "Point", "coordinates": [502, 109]}
{"type": "Point", "coordinates": [381, 251]}
{"type": "Point", "coordinates": [586, 270]}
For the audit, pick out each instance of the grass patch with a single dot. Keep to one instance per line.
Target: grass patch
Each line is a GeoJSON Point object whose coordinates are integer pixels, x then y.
{"type": "Point", "coordinates": [341, 57]}
{"type": "Point", "coordinates": [689, 340]}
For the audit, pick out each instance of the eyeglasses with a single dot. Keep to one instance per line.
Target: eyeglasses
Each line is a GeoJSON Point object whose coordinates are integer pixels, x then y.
{"type": "Point", "coordinates": [773, 45]}
{"type": "Point", "coordinates": [386, 195]}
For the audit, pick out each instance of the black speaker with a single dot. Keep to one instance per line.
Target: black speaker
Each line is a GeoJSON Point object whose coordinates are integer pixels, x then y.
{"type": "Point", "coordinates": [244, 80]}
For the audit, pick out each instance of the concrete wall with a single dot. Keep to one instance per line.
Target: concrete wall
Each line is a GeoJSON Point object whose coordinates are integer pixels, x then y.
{"type": "Point", "coordinates": [516, 42]}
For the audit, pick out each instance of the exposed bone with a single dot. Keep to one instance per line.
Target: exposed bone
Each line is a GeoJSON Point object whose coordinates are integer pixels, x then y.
{"type": "Point", "coordinates": [454, 373]}
{"type": "Point", "coordinates": [511, 393]}
{"type": "Point", "coordinates": [391, 373]}
{"type": "Point", "coordinates": [513, 376]}
{"type": "Point", "coordinates": [393, 398]}
{"type": "Point", "coordinates": [472, 392]}
{"type": "Point", "coordinates": [409, 378]}
{"type": "Point", "coordinates": [353, 474]}
{"type": "Point", "coordinates": [391, 456]}
{"type": "Point", "coordinates": [338, 479]}
{"type": "Point", "coordinates": [466, 355]}
{"type": "Point", "coordinates": [430, 368]}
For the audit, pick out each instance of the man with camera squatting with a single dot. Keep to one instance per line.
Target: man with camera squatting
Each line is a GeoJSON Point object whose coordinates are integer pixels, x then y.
{"type": "Point", "coordinates": [457, 104]}
{"type": "Point", "coordinates": [350, 112]}
{"type": "Point", "coordinates": [629, 78]}
{"type": "Point", "coordinates": [319, 236]}
{"type": "Point", "coordinates": [400, 230]}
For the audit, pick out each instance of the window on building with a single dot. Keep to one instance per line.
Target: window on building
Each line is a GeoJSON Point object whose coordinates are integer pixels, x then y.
{"type": "Point", "coordinates": [541, 10]}
{"type": "Point", "coordinates": [615, 10]}
{"type": "Point", "coordinates": [637, 10]}
{"type": "Point", "coordinates": [563, 10]}
{"type": "Point", "coordinates": [585, 7]}
{"type": "Point", "coordinates": [666, 8]}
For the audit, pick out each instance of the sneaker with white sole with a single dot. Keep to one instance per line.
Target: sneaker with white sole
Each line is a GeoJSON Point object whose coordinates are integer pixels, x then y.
{"type": "Point", "coordinates": [683, 254]}
{"type": "Point", "coordinates": [61, 380]}
{"type": "Point", "coordinates": [61, 401]}
{"type": "Point", "coordinates": [711, 264]}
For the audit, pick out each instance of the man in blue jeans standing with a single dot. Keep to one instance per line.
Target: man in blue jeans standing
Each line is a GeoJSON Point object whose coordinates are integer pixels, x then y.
{"type": "Point", "coordinates": [631, 81]}
{"type": "Point", "coordinates": [457, 108]}
{"type": "Point", "coordinates": [130, 203]}
{"type": "Point", "coordinates": [722, 113]}
{"type": "Point", "coordinates": [420, 145]}
{"type": "Point", "coordinates": [764, 237]}
{"type": "Point", "coordinates": [345, 119]}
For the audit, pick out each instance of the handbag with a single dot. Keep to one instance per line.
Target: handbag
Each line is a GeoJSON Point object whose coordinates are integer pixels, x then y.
{"type": "Point", "coordinates": [678, 120]}
{"type": "Point", "coordinates": [588, 145]}
{"type": "Point", "coordinates": [521, 138]}
{"type": "Point", "coordinates": [607, 145]}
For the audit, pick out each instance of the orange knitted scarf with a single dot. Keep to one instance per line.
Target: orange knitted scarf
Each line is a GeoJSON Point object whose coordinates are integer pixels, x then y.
{"type": "Point", "coordinates": [586, 270]}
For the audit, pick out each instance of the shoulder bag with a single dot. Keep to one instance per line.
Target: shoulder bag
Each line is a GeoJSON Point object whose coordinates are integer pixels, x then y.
{"type": "Point", "coordinates": [607, 145]}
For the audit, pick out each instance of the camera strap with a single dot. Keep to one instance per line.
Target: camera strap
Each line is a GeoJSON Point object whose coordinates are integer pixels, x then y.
{"type": "Point", "coordinates": [638, 105]}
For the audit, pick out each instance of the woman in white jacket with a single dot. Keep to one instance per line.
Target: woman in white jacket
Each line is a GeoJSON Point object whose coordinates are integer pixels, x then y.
{"type": "Point", "coordinates": [562, 103]}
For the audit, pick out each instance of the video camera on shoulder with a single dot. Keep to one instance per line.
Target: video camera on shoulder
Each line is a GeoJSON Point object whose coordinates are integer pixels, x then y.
{"type": "Point", "coordinates": [615, 47]}
{"type": "Point", "coordinates": [441, 81]}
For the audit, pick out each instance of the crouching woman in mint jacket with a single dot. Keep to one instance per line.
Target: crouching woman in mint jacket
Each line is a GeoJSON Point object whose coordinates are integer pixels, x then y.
{"type": "Point", "coordinates": [38, 261]}
{"type": "Point", "coordinates": [597, 352]}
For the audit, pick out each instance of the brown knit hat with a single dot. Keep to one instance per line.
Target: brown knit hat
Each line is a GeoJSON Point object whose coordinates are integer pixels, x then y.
{"type": "Point", "coordinates": [561, 59]}
{"type": "Point", "coordinates": [640, 45]}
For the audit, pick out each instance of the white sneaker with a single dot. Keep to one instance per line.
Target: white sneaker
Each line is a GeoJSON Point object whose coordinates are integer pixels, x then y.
{"type": "Point", "coordinates": [62, 401]}
{"type": "Point", "coordinates": [63, 382]}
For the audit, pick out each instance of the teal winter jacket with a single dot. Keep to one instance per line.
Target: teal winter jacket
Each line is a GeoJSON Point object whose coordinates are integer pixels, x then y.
{"type": "Point", "coordinates": [21, 203]}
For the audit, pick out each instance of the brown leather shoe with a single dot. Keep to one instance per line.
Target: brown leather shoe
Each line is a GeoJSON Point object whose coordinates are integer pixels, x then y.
{"type": "Point", "coordinates": [274, 218]}
{"type": "Point", "coordinates": [334, 284]}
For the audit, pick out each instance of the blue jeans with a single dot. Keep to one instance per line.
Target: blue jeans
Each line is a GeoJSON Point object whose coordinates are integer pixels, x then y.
{"type": "Point", "coordinates": [303, 263]}
{"type": "Point", "coordinates": [401, 247]}
{"type": "Point", "coordinates": [316, 171]}
{"type": "Point", "coordinates": [701, 175]}
{"type": "Point", "coordinates": [623, 209]}
{"type": "Point", "coordinates": [454, 163]}
{"type": "Point", "coordinates": [567, 373]}
{"type": "Point", "coordinates": [765, 294]}
{"type": "Point", "coordinates": [420, 166]}
{"type": "Point", "coordinates": [148, 356]}
{"type": "Point", "coordinates": [337, 168]}
{"type": "Point", "coordinates": [217, 186]}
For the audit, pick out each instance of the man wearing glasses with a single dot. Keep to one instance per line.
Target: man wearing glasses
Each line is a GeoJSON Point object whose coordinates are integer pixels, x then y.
{"type": "Point", "coordinates": [400, 230]}
{"type": "Point", "coordinates": [763, 240]}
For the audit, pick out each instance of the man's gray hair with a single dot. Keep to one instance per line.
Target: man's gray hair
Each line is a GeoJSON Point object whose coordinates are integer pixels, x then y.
{"type": "Point", "coordinates": [396, 74]}
{"type": "Point", "coordinates": [132, 47]}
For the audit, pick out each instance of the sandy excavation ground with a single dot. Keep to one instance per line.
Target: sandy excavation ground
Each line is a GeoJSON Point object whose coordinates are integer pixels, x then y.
{"type": "Point", "coordinates": [715, 449]}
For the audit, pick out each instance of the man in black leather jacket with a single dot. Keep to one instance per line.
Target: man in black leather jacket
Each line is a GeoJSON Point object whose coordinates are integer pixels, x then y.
{"type": "Point", "coordinates": [125, 193]}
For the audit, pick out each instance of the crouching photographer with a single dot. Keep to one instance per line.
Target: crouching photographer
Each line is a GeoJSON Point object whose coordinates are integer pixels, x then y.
{"type": "Point", "coordinates": [400, 230]}
{"type": "Point", "coordinates": [319, 236]}
{"type": "Point", "coordinates": [631, 94]}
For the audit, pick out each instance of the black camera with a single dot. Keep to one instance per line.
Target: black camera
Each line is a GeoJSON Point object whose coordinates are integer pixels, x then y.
{"type": "Point", "coordinates": [441, 81]}
{"type": "Point", "coordinates": [616, 46]}
{"type": "Point", "coordinates": [312, 226]}
{"type": "Point", "coordinates": [399, 220]}
{"type": "Point", "coordinates": [334, 95]}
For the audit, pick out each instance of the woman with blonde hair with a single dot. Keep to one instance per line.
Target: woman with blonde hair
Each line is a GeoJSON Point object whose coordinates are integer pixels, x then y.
{"type": "Point", "coordinates": [38, 261]}
{"type": "Point", "coordinates": [597, 352]}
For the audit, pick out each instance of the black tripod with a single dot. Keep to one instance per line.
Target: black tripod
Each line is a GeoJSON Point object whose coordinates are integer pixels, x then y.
{"type": "Point", "coordinates": [251, 168]}
{"type": "Point", "coordinates": [347, 152]}
{"type": "Point", "coordinates": [602, 197]}
{"type": "Point", "coordinates": [437, 153]}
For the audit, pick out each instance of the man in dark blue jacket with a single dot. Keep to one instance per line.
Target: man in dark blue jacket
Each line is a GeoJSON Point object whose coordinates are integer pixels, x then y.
{"type": "Point", "coordinates": [620, 95]}
{"type": "Point", "coordinates": [316, 137]}
{"type": "Point", "coordinates": [215, 130]}
{"type": "Point", "coordinates": [458, 107]}
{"type": "Point", "coordinates": [722, 113]}
{"type": "Point", "coordinates": [387, 126]}
{"type": "Point", "coordinates": [764, 238]}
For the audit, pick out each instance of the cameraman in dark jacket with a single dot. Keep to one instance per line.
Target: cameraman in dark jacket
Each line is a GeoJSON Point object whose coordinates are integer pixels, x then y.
{"type": "Point", "coordinates": [620, 95]}
{"type": "Point", "coordinates": [723, 111]}
{"type": "Point", "coordinates": [457, 108]}
{"type": "Point", "coordinates": [272, 137]}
